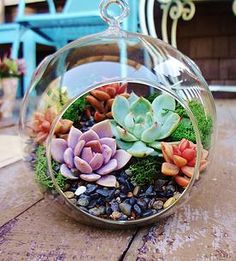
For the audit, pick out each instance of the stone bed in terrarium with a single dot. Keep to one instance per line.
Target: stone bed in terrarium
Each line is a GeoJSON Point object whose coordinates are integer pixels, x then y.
{"type": "Point", "coordinates": [120, 155]}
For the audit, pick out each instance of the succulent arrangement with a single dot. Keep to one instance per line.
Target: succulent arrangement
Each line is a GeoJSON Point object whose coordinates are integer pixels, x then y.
{"type": "Point", "coordinates": [119, 155]}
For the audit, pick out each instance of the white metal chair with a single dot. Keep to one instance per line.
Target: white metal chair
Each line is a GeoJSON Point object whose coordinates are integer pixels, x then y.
{"type": "Point", "coordinates": [173, 9]}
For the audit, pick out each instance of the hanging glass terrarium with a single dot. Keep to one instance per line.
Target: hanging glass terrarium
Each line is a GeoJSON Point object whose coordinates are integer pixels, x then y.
{"type": "Point", "coordinates": [118, 127]}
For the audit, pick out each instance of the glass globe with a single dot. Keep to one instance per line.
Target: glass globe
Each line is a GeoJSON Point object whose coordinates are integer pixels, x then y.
{"type": "Point", "coordinates": [118, 127]}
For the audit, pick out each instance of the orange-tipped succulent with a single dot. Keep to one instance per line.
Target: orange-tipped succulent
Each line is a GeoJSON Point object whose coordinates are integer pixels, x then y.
{"type": "Point", "coordinates": [180, 161]}
{"type": "Point", "coordinates": [102, 98]}
{"type": "Point", "coordinates": [42, 124]}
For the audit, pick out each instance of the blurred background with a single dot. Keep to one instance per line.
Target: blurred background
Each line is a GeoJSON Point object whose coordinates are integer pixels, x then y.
{"type": "Point", "coordinates": [204, 30]}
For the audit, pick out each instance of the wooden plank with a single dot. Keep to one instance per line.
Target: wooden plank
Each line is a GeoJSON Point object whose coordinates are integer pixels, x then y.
{"type": "Point", "coordinates": [205, 229]}
{"type": "Point", "coordinates": [18, 191]}
{"type": "Point", "coordinates": [43, 233]}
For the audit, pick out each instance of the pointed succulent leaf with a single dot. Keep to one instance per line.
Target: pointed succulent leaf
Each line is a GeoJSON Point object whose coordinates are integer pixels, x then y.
{"type": "Point", "coordinates": [132, 98]}
{"type": "Point", "coordinates": [140, 150]}
{"type": "Point", "coordinates": [89, 135]}
{"type": "Point", "coordinates": [87, 154]}
{"type": "Point", "coordinates": [125, 135]}
{"type": "Point", "coordinates": [90, 177]}
{"type": "Point", "coordinates": [73, 137]}
{"type": "Point", "coordinates": [106, 153]}
{"type": "Point", "coordinates": [151, 134]}
{"type": "Point", "coordinates": [168, 126]}
{"type": "Point", "coordinates": [97, 161]}
{"type": "Point", "coordinates": [66, 172]}
{"type": "Point", "coordinates": [129, 122]}
{"type": "Point", "coordinates": [120, 109]}
{"type": "Point", "coordinates": [103, 129]}
{"type": "Point", "coordinates": [111, 143]}
{"type": "Point", "coordinates": [157, 144]}
{"type": "Point", "coordinates": [149, 120]}
{"type": "Point", "coordinates": [124, 145]}
{"type": "Point", "coordinates": [122, 157]}
{"type": "Point", "coordinates": [107, 181]}
{"type": "Point", "coordinates": [69, 157]}
{"type": "Point", "coordinates": [79, 147]}
{"type": "Point", "coordinates": [138, 130]}
{"type": "Point", "coordinates": [82, 165]}
{"type": "Point", "coordinates": [156, 153]}
{"type": "Point", "coordinates": [161, 104]}
{"type": "Point", "coordinates": [140, 107]}
{"type": "Point", "coordinates": [114, 130]}
{"type": "Point", "coordinates": [108, 168]}
{"type": "Point", "coordinates": [58, 147]}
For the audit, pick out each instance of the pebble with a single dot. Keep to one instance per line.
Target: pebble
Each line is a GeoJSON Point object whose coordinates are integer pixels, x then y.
{"type": "Point", "coordinates": [80, 190]}
{"type": "Point", "coordinates": [123, 196]}
{"type": "Point", "coordinates": [137, 210]}
{"type": "Point", "coordinates": [132, 201]}
{"type": "Point", "coordinates": [169, 202]}
{"type": "Point", "coordinates": [136, 190]}
{"type": "Point", "coordinates": [90, 188]}
{"type": "Point", "coordinates": [125, 208]}
{"type": "Point", "coordinates": [115, 215]}
{"type": "Point", "coordinates": [149, 190]}
{"type": "Point", "coordinates": [142, 203]}
{"type": "Point", "coordinates": [158, 205]}
{"type": "Point", "coordinates": [117, 193]}
{"type": "Point", "coordinates": [111, 194]}
{"type": "Point", "coordinates": [97, 211]}
{"type": "Point", "coordinates": [103, 192]}
{"type": "Point", "coordinates": [69, 194]}
{"type": "Point", "coordinates": [92, 203]}
{"type": "Point", "coordinates": [130, 195]}
{"type": "Point", "coordinates": [147, 213]}
{"type": "Point", "coordinates": [73, 201]}
{"type": "Point", "coordinates": [108, 210]}
{"type": "Point", "coordinates": [83, 201]}
{"type": "Point", "coordinates": [114, 206]}
{"type": "Point", "coordinates": [118, 200]}
{"type": "Point", "coordinates": [151, 202]}
{"type": "Point", "coordinates": [177, 195]}
{"type": "Point", "coordinates": [123, 217]}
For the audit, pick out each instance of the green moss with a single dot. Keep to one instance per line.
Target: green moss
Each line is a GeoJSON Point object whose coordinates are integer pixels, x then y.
{"type": "Point", "coordinates": [75, 111]}
{"type": "Point", "coordinates": [152, 97]}
{"type": "Point", "coordinates": [144, 170]}
{"type": "Point", "coordinates": [41, 171]}
{"type": "Point", "coordinates": [185, 128]}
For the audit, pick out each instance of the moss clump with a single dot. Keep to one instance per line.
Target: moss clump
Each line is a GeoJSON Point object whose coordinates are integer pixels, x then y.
{"type": "Point", "coordinates": [152, 97]}
{"type": "Point", "coordinates": [185, 127]}
{"type": "Point", "coordinates": [76, 109]}
{"type": "Point", "coordinates": [41, 171]}
{"type": "Point", "coordinates": [144, 171]}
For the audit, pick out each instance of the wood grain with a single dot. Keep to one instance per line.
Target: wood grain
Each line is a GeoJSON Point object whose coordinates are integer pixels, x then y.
{"type": "Point", "coordinates": [43, 233]}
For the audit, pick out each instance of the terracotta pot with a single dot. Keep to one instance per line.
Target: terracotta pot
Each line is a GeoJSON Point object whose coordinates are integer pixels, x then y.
{"type": "Point", "coordinates": [9, 87]}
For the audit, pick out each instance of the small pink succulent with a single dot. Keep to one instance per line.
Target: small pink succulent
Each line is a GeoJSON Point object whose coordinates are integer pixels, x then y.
{"type": "Point", "coordinates": [91, 155]}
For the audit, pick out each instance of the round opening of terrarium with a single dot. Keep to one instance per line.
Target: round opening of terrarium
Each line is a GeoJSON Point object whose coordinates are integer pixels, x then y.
{"type": "Point", "coordinates": [125, 151]}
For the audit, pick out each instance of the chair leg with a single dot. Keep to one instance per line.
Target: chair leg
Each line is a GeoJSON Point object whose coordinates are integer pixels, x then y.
{"type": "Point", "coordinates": [29, 54]}
{"type": "Point", "coordinates": [16, 44]}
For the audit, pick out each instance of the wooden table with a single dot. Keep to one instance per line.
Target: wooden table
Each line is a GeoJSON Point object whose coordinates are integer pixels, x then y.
{"type": "Point", "coordinates": [204, 230]}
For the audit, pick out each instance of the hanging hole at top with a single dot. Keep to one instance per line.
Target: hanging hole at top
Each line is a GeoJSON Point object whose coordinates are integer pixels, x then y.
{"type": "Point", "coordinates": [114, 11]}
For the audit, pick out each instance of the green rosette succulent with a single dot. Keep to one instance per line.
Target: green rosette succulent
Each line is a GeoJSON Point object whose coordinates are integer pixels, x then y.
{"type": "Point", "coordinates": [139, 125]}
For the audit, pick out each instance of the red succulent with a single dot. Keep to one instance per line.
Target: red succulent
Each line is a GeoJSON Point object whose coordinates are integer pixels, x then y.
{"type": "Point", "coordinates": [180, 161]}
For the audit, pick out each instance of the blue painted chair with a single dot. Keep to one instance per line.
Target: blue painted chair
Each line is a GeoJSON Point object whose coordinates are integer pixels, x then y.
{"type": "Point", "coordinates": [78, 18]}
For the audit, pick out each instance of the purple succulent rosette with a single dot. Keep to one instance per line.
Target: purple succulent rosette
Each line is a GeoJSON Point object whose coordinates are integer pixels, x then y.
{"type": "Point", "coordinates": [91, 156]}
